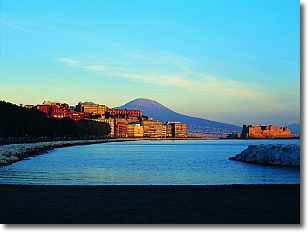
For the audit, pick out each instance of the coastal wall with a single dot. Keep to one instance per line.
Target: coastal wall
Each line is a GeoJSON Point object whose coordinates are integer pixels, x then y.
{"type": "Point", "coordinates": [287, 155]}
{"type": "Point", "coordinates": [15, 152]}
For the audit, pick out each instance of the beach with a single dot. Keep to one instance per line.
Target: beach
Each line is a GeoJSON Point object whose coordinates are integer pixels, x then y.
{"type": "Point", "coordinates": [150, 204]}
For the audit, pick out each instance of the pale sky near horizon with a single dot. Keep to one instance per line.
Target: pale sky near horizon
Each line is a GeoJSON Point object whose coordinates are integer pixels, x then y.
{"type": "Point", "coordinates": [232, 61]}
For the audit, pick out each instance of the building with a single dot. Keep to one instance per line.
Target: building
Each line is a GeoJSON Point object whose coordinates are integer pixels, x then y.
{"type": "Point", "coordinates": [166, 131]}
{"type": "Point", "coordinates": [92, 108]}
{"type": "Point", "coordinates": [59, 110]}
{"type": "Point", "coordinates": [234, 136]}
{"type": "Point", "coordinates": [120, 127]}
{"type": "Point", "coordinates": [265, 132]}
{"type": "Point", "coordinates": [29, 106]}
{"type": "Point", "coordinates": [178, 129]}
{"type": "Point", "coordinates": [152, 128]}
{"type": "Point", "coordinates": [51, 103]}
{"type": "Point", "coordinates": [130, 113]}
{"type": "Point", "coordinates": [123, 122]}
{"type": "Point", "coordinates": [43, 108]}
{"type": "Point", "coordinates": [134, 130]}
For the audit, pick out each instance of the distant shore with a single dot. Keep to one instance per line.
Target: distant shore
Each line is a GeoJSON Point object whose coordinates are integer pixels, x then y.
{"type": "Point", "coordinates": [166, 204]}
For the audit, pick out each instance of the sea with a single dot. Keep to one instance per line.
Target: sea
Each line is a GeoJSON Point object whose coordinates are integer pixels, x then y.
{"type": "Point", "coordinates": [149, 162]}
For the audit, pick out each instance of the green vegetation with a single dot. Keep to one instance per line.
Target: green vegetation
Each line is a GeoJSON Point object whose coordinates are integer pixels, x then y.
{"type": "Point", "coordinates": [16, 121]}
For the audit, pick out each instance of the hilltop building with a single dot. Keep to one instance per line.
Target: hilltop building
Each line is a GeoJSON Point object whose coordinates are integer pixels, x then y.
{"type": "Point", "coordinates": [130, 113]}
{"type": "Point", "coordinates": [92, 108]}
{"type": "Point", "coordinates": [123, 122]}
{"type": "Point", "coordinates": [59, 110]}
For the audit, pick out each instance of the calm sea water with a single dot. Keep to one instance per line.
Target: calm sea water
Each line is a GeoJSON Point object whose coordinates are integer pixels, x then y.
{"type": "Point", "coordinates": [169, 162]}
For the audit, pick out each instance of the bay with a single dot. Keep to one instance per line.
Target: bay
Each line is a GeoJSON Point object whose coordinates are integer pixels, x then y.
{"type": "Point", "coordinates": [149, 162]}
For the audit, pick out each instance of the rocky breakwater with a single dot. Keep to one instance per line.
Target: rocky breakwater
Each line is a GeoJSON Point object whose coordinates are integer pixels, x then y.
{"type": "Point", "coordinates": [287, 155]}
{"type": "Point", "coordinates": [15, 152]}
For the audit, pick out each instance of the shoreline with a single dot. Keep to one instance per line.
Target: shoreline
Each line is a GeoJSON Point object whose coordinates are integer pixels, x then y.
{"type": "Point", "coordinates": [150, 204]}
{"type": "Point", "coordinates": [12, 153]}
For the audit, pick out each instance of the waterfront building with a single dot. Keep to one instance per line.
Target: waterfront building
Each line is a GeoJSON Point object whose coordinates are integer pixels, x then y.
{"type": "Point", "coordinates": [120, 127]}
{"type": "Point", "coordinates": [164, 131]}
{"type": "Point", "coordinates": [178, 129]}
{"type": "Point", "coordinates": [265, 132]}
{"type": "Point", "coordinates": [152, 128]}
{"type": "Point", "coordinates": [134, 130]}
{"type": "Point", "coordinates": [168, 131]}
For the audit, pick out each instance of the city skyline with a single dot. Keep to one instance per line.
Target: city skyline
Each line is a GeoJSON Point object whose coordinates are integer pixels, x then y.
{"type": "Point", "coordinates": [236, 62]}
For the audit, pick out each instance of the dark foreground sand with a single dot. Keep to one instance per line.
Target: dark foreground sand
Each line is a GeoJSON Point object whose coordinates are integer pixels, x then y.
{"type": "Point", "coordinates": [230, 204]}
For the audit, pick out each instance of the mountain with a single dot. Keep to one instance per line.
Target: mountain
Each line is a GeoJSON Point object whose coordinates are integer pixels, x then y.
{"type": "Point", "coordinates": [195, 125]}
{"type": "Point", "coordinates": [295, 128]}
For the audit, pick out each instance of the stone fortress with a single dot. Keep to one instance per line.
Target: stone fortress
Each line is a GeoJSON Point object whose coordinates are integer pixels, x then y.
{"type": "Point", "coordinates": [262, 132]}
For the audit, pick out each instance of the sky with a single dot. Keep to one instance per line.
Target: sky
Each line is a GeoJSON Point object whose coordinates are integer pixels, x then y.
{"type": "Point", "coordinates": [232, 61]}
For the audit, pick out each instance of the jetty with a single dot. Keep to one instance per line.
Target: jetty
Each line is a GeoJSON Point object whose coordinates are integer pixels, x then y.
{"type": "Point", "coordinates": [273, 154]}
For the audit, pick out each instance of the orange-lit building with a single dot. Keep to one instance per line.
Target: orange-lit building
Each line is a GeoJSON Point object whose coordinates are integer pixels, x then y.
{"type": "Point", "coordinates": [58, 110]}
{"type": "Point", "coordinates": [132, 113]}
{"type": "Point", "coordinates": [265, 132]}
{"type": "Point", "coordinates": [120, 125]}
{"type": "Point", "coordinates": [178, 129]}
{"type": "Point", "coordinates": [43, 108]}
{"type": "Point", "coordinates": [91, 108]}
{"type": "Point", "coordinates": [134, 130]}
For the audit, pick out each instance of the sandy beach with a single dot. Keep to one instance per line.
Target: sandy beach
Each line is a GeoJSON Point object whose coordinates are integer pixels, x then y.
{"type": "Point", "coordinates": [220, 204]}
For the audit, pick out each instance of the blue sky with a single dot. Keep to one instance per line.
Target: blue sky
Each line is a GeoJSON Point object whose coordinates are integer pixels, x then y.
{"type": "Point", "coordinates": [230, 61]}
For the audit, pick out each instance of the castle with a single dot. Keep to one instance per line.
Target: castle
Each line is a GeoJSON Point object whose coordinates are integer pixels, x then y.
{"type": "Point", "coordinates": [262, 132]}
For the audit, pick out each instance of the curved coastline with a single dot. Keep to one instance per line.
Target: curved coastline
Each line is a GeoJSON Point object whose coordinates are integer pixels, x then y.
{"type": "Point", "coordinates": [12, 153]}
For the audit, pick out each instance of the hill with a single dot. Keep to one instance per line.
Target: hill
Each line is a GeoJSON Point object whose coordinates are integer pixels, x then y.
{"type": "Point", "coordinates": [195, 125]}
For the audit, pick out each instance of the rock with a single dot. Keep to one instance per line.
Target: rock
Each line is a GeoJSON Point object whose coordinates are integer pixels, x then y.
{"type": "Point", "coordinates": [13, 159]}
{"type": "Point", "coordinates": [261, 157]}
{"type": "Point", "coordinates": [295, 163]}
{"type": "Point", "coordinates": [285, 158]}
{"type": "Point", "coordinates": [295, 155]}
{"type": "Point", "coordinates": [271, 154]}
